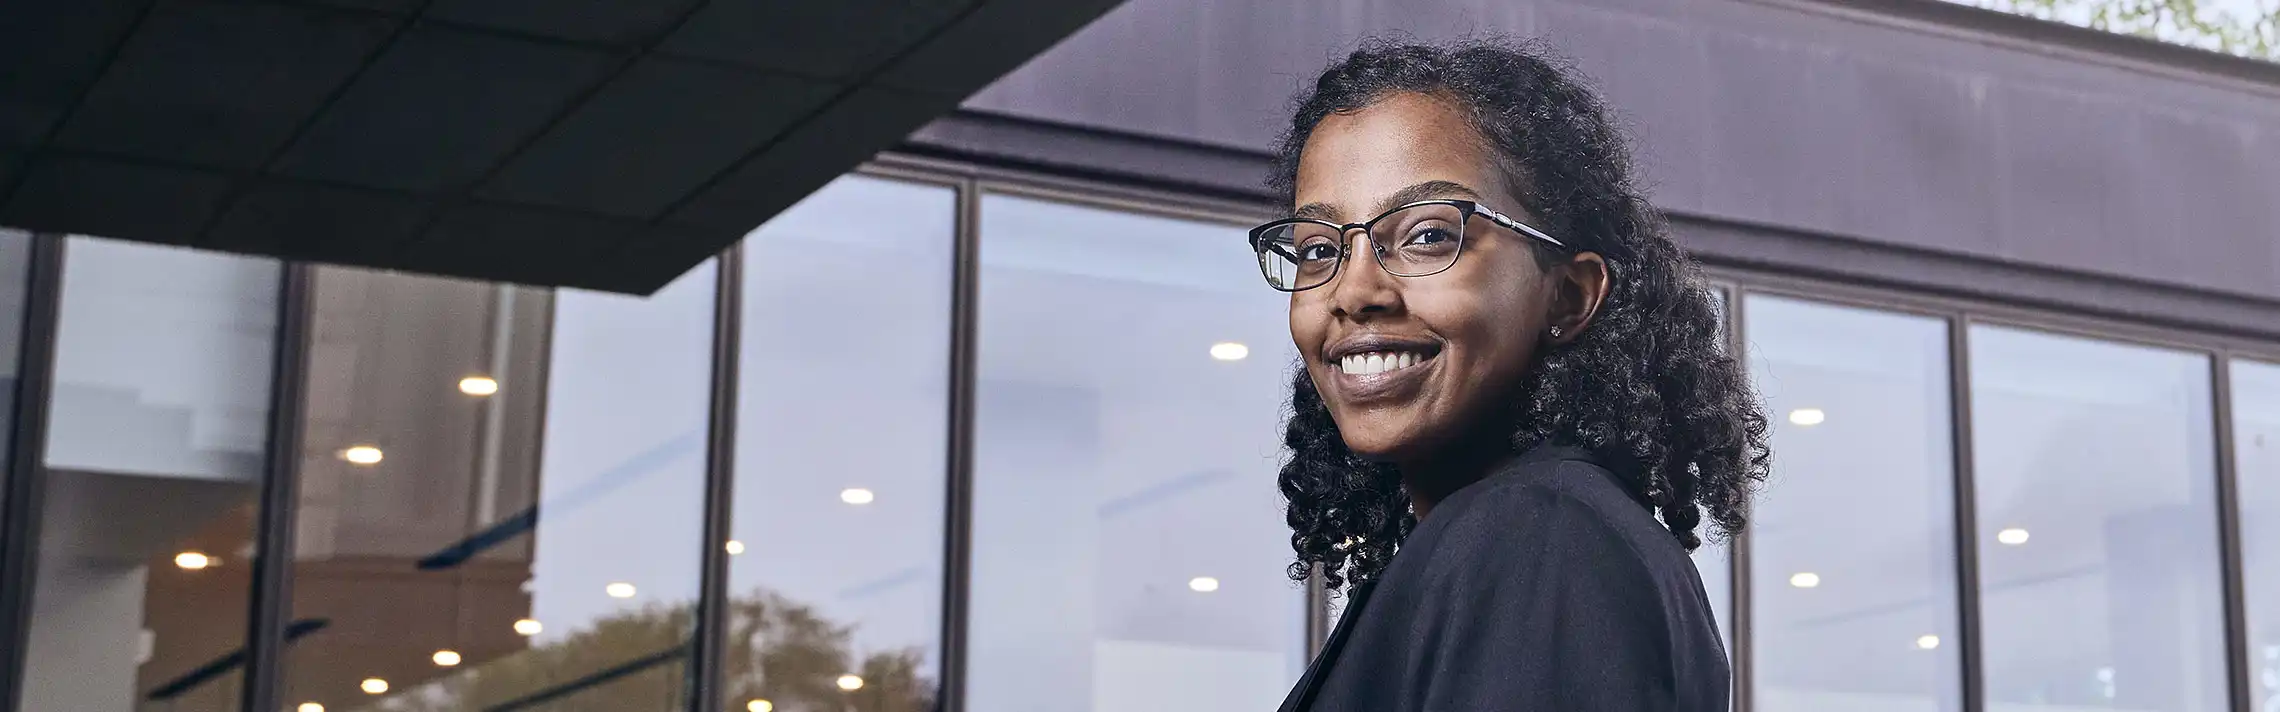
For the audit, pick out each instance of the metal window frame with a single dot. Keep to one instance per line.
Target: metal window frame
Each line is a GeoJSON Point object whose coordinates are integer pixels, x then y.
{"type": "Point", "coordinates": [709, 639]}
{"type": "Point", "coordinates": [2239, 665]}
{"type": "Point", "coordinates": [22, 493]}
{"type": "Point", "coordinates": [1740, 596]}
{"type": "Point", "coordinates": [269, 605]}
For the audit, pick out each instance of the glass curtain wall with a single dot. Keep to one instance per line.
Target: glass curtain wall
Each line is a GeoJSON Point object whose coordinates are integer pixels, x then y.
{"type": "Point", "coordinates": [836, 578]}
{"type": "Point", "coordinates": [156, 443]}
{"type": "Point", "coordinates": [2256, 448]}
{"type": "Point", "coordinates": [1853, 570]}
{"type": "Point", "coordinates": [502, 488]}
{"type": "Point", "coordinates": [2099, 579]}
{"type": "Point", "coordinates": [1127, 530]}
{"type": "Point", "coordinates": [501, 494]}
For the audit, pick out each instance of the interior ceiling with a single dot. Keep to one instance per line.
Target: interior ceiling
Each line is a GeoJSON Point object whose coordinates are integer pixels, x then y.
{"type": "Point", "coordinates": [604, 144]}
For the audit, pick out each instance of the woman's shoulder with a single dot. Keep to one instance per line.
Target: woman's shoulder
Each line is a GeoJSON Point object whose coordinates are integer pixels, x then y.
{"type": "Point", "coordinates": [1566, 499]}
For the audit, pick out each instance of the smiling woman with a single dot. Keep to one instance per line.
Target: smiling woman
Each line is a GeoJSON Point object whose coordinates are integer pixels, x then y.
{"type": "Point", "coordinates": [1513, 414]}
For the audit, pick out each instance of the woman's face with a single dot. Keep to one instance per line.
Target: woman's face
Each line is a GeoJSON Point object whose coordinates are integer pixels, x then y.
{"type": "Point", "coordinates": [1472, 331]}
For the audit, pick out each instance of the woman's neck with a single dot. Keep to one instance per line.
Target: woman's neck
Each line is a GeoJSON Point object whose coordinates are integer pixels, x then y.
{"type": "Point", "coordinates": [1430, 479]}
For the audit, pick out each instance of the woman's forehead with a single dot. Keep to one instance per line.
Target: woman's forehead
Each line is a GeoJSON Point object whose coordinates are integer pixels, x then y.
{"type": "Point", "coordinates": [1355, 163]}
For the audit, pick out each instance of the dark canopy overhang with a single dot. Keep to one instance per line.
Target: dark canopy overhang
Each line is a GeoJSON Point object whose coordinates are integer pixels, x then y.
{"type": "Point", "coordinates": [607, 144]}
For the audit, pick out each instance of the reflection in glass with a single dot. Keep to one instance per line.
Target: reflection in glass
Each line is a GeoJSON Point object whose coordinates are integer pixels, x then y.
{"type": "Point", "coordinates": [2246, 28]}
{"type": "Point", "coordinates": [2097, 532]}
{"type": "Point", "coordinates": [842, 428]}
{"type": "Point", "coordinates": [545, 533]}
{"type": "Point", "coordinates": [1117, 460]}
{"type": "Point", "coordinates": [162, 362]}
{"type": "Point", "coordinates": [1715, 563]}
{"type": "Point", "coordinates": [2256, 444]}
{"type": "Point", "coordinates": [154, 454]}
{"type": "Point", "coordinates": [1852, 555]}
{"type": "Point", "coordinates": [15, 267]}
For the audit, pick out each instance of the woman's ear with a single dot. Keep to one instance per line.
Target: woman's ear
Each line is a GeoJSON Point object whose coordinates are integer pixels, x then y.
{"type": "Point", "coordinates": [1579, 287]}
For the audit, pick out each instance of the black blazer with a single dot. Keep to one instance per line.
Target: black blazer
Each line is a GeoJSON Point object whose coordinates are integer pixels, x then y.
{"type": "Point", "coordinates": [1544, 586]}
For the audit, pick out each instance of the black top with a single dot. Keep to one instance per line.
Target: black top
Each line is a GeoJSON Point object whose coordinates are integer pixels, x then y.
{"type": "Point", "coordinates": [1544, 586]}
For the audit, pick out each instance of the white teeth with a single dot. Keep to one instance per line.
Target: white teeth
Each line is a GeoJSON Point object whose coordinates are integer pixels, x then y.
{"type": "Point", "coordinates": [1371, 364]}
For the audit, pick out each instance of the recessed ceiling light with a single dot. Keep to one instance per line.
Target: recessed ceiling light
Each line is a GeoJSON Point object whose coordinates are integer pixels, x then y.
{"type": "Point", "coordinates": [373, 686]}
{"type": "Point", "coordinates": [309, 707]}
{"type": "Point", "coordinates": [192, 561]}
{"type": "Point", "coordinates": [446, 658]}
{"type": "Point", "coordinates": [478, 385]}
{"type": "Point", "coordinates": [735, 547]}
{"type": "Point", "coordinates": [1805, 580]}
{"type": "Point", "coordinates": [856, 495]}
{"type": "Point", "coordinates": [850, 683]}
{"type": "Point", "coordinates": [760, 706]}
{"type": "Point", "coordinates": [1229, 351]}
{"type": "Point", "coordinates": [2013, 536]}
{"type": "Point", "coordinates": [1807, 416]}
{"type": "Point", "coordinates": [1203, 584]}
{"type": "Point", "coordinates": [619, 589]}
{"type": "Point", "coordinates": [527, 626]}
{"type": "Point", "coordinates": [1928, 642]}
{"type": "Point", "coordinates": [362, 455]}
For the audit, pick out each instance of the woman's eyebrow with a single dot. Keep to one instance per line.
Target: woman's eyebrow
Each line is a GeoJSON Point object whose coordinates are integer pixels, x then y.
{"type": "Point", "coordinates": [1316, 211]}
{"type": "Point", "coordinates": [1427, 190]}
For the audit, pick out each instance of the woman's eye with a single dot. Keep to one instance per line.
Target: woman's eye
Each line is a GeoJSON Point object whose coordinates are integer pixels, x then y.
{"type": "Point", "coordinates": [1317, 251]}
{"type": "Point", "coordinates": [1430, 236]}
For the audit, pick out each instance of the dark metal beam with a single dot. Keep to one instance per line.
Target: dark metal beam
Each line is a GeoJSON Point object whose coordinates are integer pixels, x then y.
{"type": "Point", "coordinates": [1969, 654]}
{"type": "Point", "coordinates": [710, 638]}
{"type": "Point", "coordinates": [1738, 543]}
{"type": "Point", "coordinates": [22, 492]}
{"type": "Point", "coordinates": [269, 608]}
{"type": "Point", "coordinates": [2239, 671]}
{"type": "Point", "coordinates": [957, 544]}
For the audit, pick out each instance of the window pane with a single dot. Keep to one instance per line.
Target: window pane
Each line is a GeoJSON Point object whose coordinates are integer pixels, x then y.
{"type": "Point", "coordinates": [1845, 616]}
{"type": "Point", "coordinates": [1127, 527]}
{"type": "Point", "coordinates": [1715, 563]}
{"type": "Point", "coordinates": [2097, 524]}
{"type": "Point", "coordinates": [496, 504]}
{"type": "Point", "coordinates": [841, 438]}
{"type": "Point", "coordinates": [2256, 442]}
{"type": "Point", "coordinates": [162, 362]}
{"type": "Point", "coordinates": [155, 450]}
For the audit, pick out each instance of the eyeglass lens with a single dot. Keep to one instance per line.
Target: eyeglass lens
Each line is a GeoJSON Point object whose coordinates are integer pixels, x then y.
{"type": "Point", "coordinates": [1415, 241]}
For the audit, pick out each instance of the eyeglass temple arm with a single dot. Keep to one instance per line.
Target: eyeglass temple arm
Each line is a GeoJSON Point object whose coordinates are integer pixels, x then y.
{"type": "Point", "coordinates": [1519, 227]}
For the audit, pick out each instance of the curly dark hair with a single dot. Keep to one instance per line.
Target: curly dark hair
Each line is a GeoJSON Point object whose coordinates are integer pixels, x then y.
{"type": "Point", "coordinates": [1649, 383]}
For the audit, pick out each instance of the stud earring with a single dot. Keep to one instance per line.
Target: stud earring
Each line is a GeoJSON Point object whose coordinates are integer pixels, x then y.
{"type": "Point", "coordinates": [1555, 332]}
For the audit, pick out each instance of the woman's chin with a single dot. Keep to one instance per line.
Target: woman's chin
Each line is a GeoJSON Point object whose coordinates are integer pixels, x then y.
{"type": "Point", "coordinates": [1388, 445]}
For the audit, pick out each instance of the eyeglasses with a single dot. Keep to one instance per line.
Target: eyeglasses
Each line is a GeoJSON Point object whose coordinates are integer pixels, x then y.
{"type": "Point", "coordinates": [1420, 239]}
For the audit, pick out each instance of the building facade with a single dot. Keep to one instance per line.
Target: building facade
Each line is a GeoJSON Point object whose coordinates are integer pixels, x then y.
{"type": "Point", "coordinates": [991, 422]}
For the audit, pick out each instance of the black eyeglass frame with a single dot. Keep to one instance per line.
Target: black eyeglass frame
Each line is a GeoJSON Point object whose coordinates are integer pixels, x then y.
{"type": "Point", "coordinates": [1377, 251]}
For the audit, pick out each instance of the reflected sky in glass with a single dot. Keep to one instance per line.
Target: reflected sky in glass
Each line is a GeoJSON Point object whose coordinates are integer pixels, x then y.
{"type": "Point", "coordinates": [1853, 583]}
{"type": "Point", "coordinates": [2097, 531]}
{"type": "Point", "coordinates": [2256, 442]}
{"type": "Point", "coordinates": [1127, 527]}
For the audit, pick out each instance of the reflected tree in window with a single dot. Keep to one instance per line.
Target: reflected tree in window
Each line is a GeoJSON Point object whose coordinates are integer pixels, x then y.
{"type": "Point", "coordinates": [780, 651]}
{"type": "Point", "coordinates": [2248, 28]}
